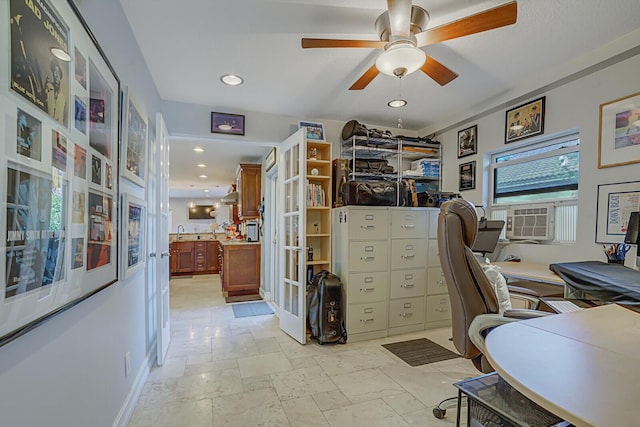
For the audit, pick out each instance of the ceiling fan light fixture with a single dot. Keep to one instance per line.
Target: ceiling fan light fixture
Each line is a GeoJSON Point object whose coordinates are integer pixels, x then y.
{"type": "Point", "coordinates": [400, 56]}
{"type": "Point", "coordinates": [232, 80]}
{"type": "Point", "coordinates": [397, 103]}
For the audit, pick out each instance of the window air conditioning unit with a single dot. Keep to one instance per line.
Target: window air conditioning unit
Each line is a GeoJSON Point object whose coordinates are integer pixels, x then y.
{"type": "Point", "coordinates": [530, 223]}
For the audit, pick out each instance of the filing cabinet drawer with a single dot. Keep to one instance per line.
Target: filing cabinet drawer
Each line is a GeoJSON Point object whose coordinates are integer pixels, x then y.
{"type": "Point", "coordinates": [408, 283]}
{"type": "Point", "coordinates": [433, 251]}
{"type": "Point", "coordinates": [406, 311]}
{"type": "Point", "coordinates": [438, 308]}
{"type": "Point", "coordinates": [368, 224]}
{"type": "Point", "coordinates": [368, 256]}
{"type": "Point", "coordinates": [366, 317]}
{"type": "Point", "coordinates": [433, 223]}
{"type": "Point", "coordinates": [409, 224]}
{"type": "Point", "coordinates": [435, 282]}
{"type": "Point", "coordinates": [367, 287]}
{"type": "Point", "coordinates": [408, 253]}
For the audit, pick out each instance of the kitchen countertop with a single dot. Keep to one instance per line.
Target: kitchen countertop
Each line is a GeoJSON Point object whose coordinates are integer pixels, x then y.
{"type": "Point", "coordinates": [204, 237]}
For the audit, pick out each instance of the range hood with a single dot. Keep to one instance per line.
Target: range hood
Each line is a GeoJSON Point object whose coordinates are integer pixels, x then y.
{"type": "Point", "coordinates": [230, 199]}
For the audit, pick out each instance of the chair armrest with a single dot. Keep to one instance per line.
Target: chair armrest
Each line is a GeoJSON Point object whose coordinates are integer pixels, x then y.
{"type": "Point", "coordinates": [521, 314]}
{"type": "Point", "coordinates": [483, 322]}
{"type": "Point", "coordinates": [521, 290]}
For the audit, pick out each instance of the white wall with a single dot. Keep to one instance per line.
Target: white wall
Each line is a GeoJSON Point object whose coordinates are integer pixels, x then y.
{"type": "Point", "coordinates": [70, 370]}
{"type": "Point", "coordinates": [179, 209]}
{"type": "Point", "coordinates": [574, 105]}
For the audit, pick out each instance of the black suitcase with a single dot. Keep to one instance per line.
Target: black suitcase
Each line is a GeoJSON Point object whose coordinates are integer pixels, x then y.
{"type": "Point", "coordinates": [324, 308]}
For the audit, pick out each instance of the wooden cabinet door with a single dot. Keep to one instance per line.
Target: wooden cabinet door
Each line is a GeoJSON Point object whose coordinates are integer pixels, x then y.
{"type": "Point", "coordinates": [212, 257]}
{"type": "Point", "coordinates": [184, 257]}
{"type": "Point", "coordinates": [249, 186]}
{"type": "Point", "coordinates": [173, 260]}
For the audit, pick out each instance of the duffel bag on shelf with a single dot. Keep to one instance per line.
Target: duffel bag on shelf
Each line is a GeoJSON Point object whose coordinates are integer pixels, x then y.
{"type": "Point", "coordinates": [371, 166]}
{"type": "Point", "coordinates": [376, 193]}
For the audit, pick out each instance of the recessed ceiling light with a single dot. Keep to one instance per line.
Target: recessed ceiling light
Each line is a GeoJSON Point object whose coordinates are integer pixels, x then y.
{"type": "Point", "coordinates": [231, 80]}
{"type": "Point", "coordinates": [60, 54]}
{"type": "Point", "coordinates": [397, 103]}
{"type": "Point", "coordinates": [201, 165]}
{"type": "Point", "coordinates": [198, 150]}
{"type": "Point", "coordinates": [206, 191]}
{"type": "Point", "coordinates": [204, 176]}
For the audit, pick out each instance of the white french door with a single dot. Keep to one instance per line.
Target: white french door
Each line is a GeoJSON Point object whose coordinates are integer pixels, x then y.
{"type": "Point", "coordinates": [162, 238]}
{"type": "Point", "coordinates": [292, 283]}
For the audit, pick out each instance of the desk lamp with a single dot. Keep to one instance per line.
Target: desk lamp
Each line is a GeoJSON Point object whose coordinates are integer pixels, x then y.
{"type": "Point", "coordinates": [632, 237]}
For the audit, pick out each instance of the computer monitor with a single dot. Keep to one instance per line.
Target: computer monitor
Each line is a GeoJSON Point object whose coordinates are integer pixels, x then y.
{"type": "Point", "coordinates": [488, 236]}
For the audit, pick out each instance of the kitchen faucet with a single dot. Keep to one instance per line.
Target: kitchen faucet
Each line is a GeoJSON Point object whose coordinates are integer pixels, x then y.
{"type": "Point", "coordinates": [180, 226]}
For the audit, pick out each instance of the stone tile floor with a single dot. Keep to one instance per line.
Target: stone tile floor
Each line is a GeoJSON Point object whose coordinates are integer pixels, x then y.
{"type": "Point", "coordinates": [223, 371]}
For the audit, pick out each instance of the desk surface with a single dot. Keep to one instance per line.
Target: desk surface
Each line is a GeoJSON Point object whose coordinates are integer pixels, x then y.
{"type": "Point", "coordinates": [529, 271]}
{"type": "Point", "coordinates": [582, 366]}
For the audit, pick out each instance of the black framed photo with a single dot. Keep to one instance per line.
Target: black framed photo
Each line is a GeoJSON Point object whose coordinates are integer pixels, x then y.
{"type": "Point", "coordinates": [230, 124]}
{"type": "Point", "coordinates": [468, 141]}
{"type": "Point", "coordinates": [59, 224]}
{"type": "Point", "coordinates": [467, 176]}
{"type": "Point", "coordinates": [524, 121]}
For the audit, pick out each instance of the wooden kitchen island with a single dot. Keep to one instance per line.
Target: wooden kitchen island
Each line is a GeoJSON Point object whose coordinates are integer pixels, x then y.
{"type": "Point", "coordinates": [239, 267]}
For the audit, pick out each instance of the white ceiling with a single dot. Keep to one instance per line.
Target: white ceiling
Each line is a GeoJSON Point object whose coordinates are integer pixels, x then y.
{"type": "Point", "coordinates": [189, 44]}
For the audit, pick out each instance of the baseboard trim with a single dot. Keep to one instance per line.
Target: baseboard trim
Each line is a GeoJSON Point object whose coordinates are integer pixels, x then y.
{"type": "Point", "coordinates": [128, 406]}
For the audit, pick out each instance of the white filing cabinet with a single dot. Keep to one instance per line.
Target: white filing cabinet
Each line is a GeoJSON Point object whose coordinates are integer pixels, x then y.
{"type": "Point", "coordinates": [408, 282]}
{"type": "Point", "coordinates": [385, 260]}
{"type": "Point", "coordinates": [438, 311]}
{"type": "Point", "coordinates": [361, 258]}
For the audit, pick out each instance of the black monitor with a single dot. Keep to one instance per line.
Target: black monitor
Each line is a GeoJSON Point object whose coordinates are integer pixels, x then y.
{"type": "Point", "coordinates": [632, 236]}
{"type": "Point", "coordinates": [488, 236]}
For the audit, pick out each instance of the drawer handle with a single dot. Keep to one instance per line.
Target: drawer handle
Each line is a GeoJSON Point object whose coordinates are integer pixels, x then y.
{"type": "Point", "coordinates": [408, 226]}
{"type": "Point", "coordinates": [410, 256]}
{"type": "Point", "coordinates": [440, 282]}
{"type": "Point", "coordinates": [407, 285]}
{"type": "Point", "coordinates": [367, 320]}
{"type": "Point", "coordinates": [367, 258]}
{"type": "Point", "coordinates": [441, 310]}
{"type": "Point", "coordinates": [367, 289]}
{"type": "Point", "coordinates": [409, 314]}
{"type": "Point", "coordinates": [368, 227]}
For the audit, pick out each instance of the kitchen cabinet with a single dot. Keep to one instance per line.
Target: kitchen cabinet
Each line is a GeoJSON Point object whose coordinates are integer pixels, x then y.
{"type": "Point", "coordinates": [182, 254]}
{"type": "Point", "coordinates": [194, 257]}
{"type": "Point", "coordinates": [248, 184]}
{"type": "Point", "coordinates": [240, 271]}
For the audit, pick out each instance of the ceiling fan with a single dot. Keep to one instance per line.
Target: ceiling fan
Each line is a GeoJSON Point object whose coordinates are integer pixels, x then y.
{"type": "Point", "coordinates": [402, 33]}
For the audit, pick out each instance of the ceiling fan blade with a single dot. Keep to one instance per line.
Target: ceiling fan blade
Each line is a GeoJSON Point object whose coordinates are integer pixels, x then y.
{"type": "Point", "coordinates": [321, 43]}
{"type": "Point", "coordinates": [497, 17]}
{"type": "Point", "coordinates": [399, 17]}
{"type": "Point", "coordinates": [438, 72]}
{"type": "Point", "coordinates": [366, 78]}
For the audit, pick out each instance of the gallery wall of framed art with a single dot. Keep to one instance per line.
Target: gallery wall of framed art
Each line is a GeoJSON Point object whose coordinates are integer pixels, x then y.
{"type": "Point", "coordinates": [60, 113]}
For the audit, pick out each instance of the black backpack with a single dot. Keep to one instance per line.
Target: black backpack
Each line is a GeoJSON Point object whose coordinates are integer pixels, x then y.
{"type": "Point", "coordinates": [324, 308]}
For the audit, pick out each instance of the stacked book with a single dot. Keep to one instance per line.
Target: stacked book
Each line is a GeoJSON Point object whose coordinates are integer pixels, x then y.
{"type": "Point", "coordinates": [316, 195]}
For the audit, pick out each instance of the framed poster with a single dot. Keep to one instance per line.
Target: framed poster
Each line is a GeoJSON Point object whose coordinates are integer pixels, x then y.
{"type": "Point", "coordinates": [467, 176]}
{"type": "Point", "coordinates": [57, 215]}
{"type": "Point", "coordinates": [134, 219]}
{"type": "Point", "coordinates": [231, 124]}
{"type": "Point", "coordinates": [315, 131]}
{"type": "Point", "coordinates": [619, 139]}
{"type": "Point", "coordinates": [615, 203]}
{"type": "Point", "coordinates": [468, 141]}
{"type": "Point", "coordinates": [134, 164]}
{"type": "Point", "coordinates": [524, 121]}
